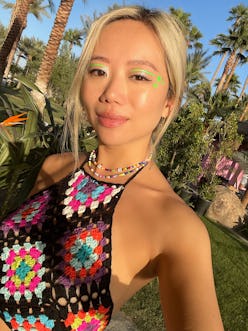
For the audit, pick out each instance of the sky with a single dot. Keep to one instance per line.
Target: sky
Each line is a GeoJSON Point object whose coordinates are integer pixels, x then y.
{"type": "Point", "coordinates": [209, 16]}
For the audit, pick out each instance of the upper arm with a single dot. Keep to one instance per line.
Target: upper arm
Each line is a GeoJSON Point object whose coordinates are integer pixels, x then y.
{"type": "Point", "coordinates": [186, 281]}
{"type": "Point", "coordinates": [54, 168]}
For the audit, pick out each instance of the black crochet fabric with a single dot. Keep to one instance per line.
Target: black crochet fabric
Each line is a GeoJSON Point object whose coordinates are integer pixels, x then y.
{"type": "Point", "coordinates": [55, 257]}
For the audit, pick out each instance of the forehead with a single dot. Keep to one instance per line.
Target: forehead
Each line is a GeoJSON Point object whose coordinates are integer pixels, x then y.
{"type": "Point", "coordinates": [129, 39]}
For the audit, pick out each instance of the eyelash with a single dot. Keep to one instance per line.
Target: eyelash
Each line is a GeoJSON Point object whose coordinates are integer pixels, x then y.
{"type": "Point", "coordinates": [140, 78]}
{"type": "Point", "coordinates": [97, 72]}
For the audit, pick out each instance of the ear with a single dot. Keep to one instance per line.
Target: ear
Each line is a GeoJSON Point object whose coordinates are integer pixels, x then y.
{"type": "Point", "coordinates": [168, 107]}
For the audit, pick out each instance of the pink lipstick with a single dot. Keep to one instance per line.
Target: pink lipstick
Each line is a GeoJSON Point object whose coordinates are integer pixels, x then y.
{"type": "Point", "coordinates": [111, 121]}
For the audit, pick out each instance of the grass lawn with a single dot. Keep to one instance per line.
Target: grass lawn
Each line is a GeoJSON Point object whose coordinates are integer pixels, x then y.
{"type": "Point", "coordinates": [230, 262]}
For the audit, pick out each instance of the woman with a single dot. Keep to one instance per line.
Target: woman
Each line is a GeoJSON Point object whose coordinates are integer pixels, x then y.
{"type": "Point", "coordinates": [88, 239]}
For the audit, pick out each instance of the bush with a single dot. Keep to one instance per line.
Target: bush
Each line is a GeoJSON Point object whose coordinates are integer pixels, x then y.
{"type": "Point", "coordinates": [23, 147]}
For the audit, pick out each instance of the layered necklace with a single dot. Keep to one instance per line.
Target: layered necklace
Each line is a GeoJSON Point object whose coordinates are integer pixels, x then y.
{"type": "Point", "coordinates": [94, 167]}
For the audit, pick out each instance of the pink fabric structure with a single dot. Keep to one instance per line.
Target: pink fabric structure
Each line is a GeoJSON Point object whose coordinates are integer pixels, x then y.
{"type": "Point", "coordinates": [230, 170]}
{"type": "Point", "coordinates": [227, 169]}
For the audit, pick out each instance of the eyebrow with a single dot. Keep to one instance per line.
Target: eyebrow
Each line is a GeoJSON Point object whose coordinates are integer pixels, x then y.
{"type": "Point", "coordinates": [130, 62]}
{"type": "Point", "coordinates": [143, 62]}
{"type": "Point", "coordinates": [99, 58]}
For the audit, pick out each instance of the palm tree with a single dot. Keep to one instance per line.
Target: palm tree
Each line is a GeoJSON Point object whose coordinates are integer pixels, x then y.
{"type": "Point", "coordinates": [23, 46]}
{"type": "Point", "coordinates": [225, 47]}
{"type": "Point", "coordinates": [38, 10]}
{"type": "Point", "coordinates": [244, 113]}
{"type": "Point", "coordinates": [51, 50]}
{"type": "Point", "coordinates": [218, 67]}
{"type": "Point", "coordinates": [235, 43]}
{"type": "Point", "coordinates": [241, 60]}
{"type": "Point", "coordinates": [196, 62]}
{"type": "Point", "coordinates": [15, 30]}
{"type": "Point", "coordinates": [233, 85]}
{"type": "Point", "coordinates": [33, 53]}
{"type": "Point", "coordinates": [243, 89]}
{"type": "Point", "coordinates": [192, 33]}
{"type": "Point", "coordinates": [74, 37]}
{"type": "Point", "coordinates": [86, 23]}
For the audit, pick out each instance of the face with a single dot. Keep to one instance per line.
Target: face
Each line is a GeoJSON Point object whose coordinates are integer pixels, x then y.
{"type": "Point", "coordinates": [125, 88]}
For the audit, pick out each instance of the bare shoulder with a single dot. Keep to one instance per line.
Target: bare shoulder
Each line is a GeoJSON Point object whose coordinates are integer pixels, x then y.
{"type": "Point", "coordinates": [169, 216]}
{"type": "Point", "coordinates": [183, 225]}
{"type": "Point", "coordinates": [54, 168]}
{"type": "Point", "coordinates": [184, 267]}
{"type": "Point", "coordinates": [179, 252]}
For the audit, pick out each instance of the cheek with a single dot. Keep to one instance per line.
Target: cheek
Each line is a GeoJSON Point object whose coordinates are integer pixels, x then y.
{"type": "Point", "coordinates": [151, 101]}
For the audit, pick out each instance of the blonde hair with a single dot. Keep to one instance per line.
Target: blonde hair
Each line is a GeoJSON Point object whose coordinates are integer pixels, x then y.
{"type": "Point", "coordinates": [172, 39]}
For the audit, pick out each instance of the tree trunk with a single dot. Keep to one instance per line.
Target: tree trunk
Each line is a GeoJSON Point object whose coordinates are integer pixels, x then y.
{"type": "Point", "coordinates": [11, 56]}
{"type": "Point", "coordinates": [225, 86]}
{"type": "Point", "coordinates": [243, 90]}
{"type": "Point", "coordinates": [226, 70]}
{"type": "Point", "coordinates": [13, 14]}
{"type": "Point", "coordinates": [51, 50]}
{"type": "Point", "coordinates": [245, 199]}
{"type": "Point", "coordinates": [242, 117]}
{"type": "Point", "coordinates": [16, 28]}
{"type": "Point", "coordinates": [218, 68]}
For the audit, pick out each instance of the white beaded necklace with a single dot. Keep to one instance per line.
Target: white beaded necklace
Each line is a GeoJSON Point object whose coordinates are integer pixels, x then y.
{"type": "Point", "coordinates": [115, 172]}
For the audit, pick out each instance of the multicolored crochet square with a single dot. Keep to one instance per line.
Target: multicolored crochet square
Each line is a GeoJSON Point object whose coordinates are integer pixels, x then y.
{"type": "Point", "coordinates": [83, 254]}
{"type": "Point", "coordinates": [30, 323]}
{"type": "Point", "coordinates": [93, 320]}
{"type": "Point", "coordinates": [84, 191]}
{"type": "Point", "coordinates": [30, 213]}
{"type": "Point", "coordinates": [22, 271]}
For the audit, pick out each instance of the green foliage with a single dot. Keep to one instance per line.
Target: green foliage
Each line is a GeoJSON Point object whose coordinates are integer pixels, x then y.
{"type": "Point", "coordinates": [191, 31]}
{"type": "Point", "coordinates": [73, 37]}
{"type": "Point", "coordinates": [230, 140]}
{"type": "Point", "coordinates": [3, 32]}
{"type": "Point", "coordinates": [207, 186]}
{"type": "Point", "coordinates": [183, 146]}
{"type": "Point", "coordinates": [225, 140]}
{"type": "Point", "coordinates": [62, 74]}
{"type": "Point", "coordinates": [23, 148]}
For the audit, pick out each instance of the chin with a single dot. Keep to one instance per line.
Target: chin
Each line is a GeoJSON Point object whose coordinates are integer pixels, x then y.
{"type": "Point", "coordinates": [110, 141]}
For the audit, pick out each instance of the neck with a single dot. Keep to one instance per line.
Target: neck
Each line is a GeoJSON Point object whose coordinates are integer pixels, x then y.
{"type": "Point", "coordinates": [121, 156]}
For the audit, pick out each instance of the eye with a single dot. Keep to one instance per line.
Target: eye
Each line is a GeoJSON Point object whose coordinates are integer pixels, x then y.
{"type": "Point", "coordinates": [139, 77]}
{"type": "Point", "coordinates": [97, 72]}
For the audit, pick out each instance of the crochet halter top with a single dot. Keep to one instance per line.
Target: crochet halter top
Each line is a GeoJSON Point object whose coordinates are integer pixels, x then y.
{"type": "Point", "coordinates": [55, 257]}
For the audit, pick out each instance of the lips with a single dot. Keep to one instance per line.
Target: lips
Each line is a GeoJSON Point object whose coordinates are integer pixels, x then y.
{"type": "Point", "coordinates": [111, 121]}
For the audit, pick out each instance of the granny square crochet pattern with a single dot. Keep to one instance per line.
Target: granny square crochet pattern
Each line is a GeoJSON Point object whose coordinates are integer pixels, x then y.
{"type": "Point", "coordinates": [55, 257]}
{"type": "Point", "coordinates": [85, 192]}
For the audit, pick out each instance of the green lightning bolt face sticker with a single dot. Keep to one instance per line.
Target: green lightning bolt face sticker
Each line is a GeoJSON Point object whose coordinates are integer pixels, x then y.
{"type": "Point", "coordinates": [159, 78]}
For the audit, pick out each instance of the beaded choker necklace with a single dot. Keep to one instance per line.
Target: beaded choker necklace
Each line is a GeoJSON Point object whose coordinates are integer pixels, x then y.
{"type": "Point", "coordinates": [115, 172]}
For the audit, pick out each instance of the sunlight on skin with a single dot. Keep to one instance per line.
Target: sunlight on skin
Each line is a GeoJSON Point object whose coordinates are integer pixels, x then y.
{"type": "Point", "coordinates": [159, 78]}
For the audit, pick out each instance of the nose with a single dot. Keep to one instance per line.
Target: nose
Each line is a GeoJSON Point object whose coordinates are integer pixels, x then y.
{"type": "Point", "coordinates": [114, 91]}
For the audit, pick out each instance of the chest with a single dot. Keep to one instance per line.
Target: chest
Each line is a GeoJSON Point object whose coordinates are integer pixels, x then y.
{"type": "Point", "coordinates": [55, 261]}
